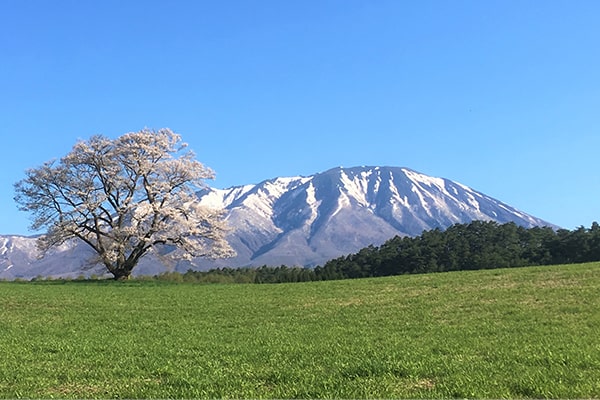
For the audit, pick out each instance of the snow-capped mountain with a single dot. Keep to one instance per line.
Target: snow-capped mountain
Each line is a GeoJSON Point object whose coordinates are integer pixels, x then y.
{"type": "Point", "coordinates": [20, 258]}
{"type": "Point", "coordinates": [309, 220]}
{"type": "Point", "coordinates": [303, 220]}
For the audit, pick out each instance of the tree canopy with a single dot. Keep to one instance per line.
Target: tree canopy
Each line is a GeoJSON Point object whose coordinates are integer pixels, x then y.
{"type": "Point", "coordinates": [475, 245]}
{"type": "Point", "coordinates": [124, 198]}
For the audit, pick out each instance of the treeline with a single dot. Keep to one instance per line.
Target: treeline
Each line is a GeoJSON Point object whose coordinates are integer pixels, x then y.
{"type": "Point", "coordinates": [476, 245]}
{"type": "Point", "coordinates": [262, 274]}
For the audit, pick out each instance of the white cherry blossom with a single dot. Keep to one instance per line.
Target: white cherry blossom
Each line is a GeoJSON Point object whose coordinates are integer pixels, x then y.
{"type": "Point", "coordinates": [124, 197]}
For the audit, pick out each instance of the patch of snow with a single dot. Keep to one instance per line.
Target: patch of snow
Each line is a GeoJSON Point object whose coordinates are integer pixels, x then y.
{"type": "Point", "coordinates": [377, 184]}
{"type": "Point", "coordinates": [424, 179]}
{"type": "Point", "coordinates": [423, 203]}
{"type": "Point", "coordinates": [260, 203]}
{"type": "Point", "coordinates": [279, 186]}
{"type": "Point", "coordinates": [221, 198]}
{"type": "Point", "coordinates": [312, 202]}
{"type": "Point", "coordinates": [231, 195]}
{"type": "Point", "coordinates": [396, 194]}
{"type": "Point", "coordinates": [464, 187]}
{"type": "Point", "coordinates": [356, 188]}
{"type": "Point", "coordinates": [512, 211]}
{"type": "Point", "coordinates": [472, 200]}
{"type": "Point", "coordinates": [343, 202]}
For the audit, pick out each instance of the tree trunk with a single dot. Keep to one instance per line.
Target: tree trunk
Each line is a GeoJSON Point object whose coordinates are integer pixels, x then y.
{"type": "Point", "coordinates": [121, 274]}
{"type": "Point", "coordinates": [122, 277]}
{"type": "Point", "coordinates": [121, 270]}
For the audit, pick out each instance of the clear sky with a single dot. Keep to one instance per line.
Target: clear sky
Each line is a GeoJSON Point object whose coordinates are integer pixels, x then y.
{"type": "Point", "coordinates": [503, 96]}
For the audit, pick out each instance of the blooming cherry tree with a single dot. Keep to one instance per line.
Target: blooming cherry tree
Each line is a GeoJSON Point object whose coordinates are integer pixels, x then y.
{"type": "Point", "coordinates": [124, 198]}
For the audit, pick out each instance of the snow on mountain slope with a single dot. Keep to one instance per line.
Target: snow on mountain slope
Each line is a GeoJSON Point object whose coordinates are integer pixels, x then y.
{"type": "Point", "coordinates": [20, 258]}
{"type": "Point", "coordinates": [302, 220]}
{"type": "Point", "coordinates": [308, 220]}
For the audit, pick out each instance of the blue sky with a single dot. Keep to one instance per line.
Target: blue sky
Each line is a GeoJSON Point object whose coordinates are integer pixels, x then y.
{"type": "Point", "coordinates": [502, 96]}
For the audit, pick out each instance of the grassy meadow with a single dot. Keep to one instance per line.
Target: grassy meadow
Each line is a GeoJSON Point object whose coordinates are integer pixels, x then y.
{"type": "Point", "coordinates": [528, 332]}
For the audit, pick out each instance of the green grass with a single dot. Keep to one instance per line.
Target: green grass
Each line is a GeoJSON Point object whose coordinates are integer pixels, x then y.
{"type": "Point", "coordinates": [528, 332]}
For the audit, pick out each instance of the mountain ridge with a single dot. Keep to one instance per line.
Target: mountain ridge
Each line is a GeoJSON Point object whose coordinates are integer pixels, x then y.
{"type": "Point", "coordinates": [389, 201]}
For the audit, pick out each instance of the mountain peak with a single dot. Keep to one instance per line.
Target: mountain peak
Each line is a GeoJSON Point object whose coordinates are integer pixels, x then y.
{"type": "Point", "coordinates": [308, 220]}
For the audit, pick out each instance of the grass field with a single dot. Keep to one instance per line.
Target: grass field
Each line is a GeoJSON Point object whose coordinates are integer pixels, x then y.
{"type": "Point", "coordinates": [528, 332]}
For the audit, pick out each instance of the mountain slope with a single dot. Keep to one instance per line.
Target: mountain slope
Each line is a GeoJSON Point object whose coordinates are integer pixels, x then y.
{"type": "Point", "coordinates": [308, 220]}
{"type": "Point", "coordinates": [301, 220]}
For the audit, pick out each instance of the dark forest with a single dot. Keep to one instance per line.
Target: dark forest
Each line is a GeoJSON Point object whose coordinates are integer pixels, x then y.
{"type": "Point", "coordinates": [471, 246]}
